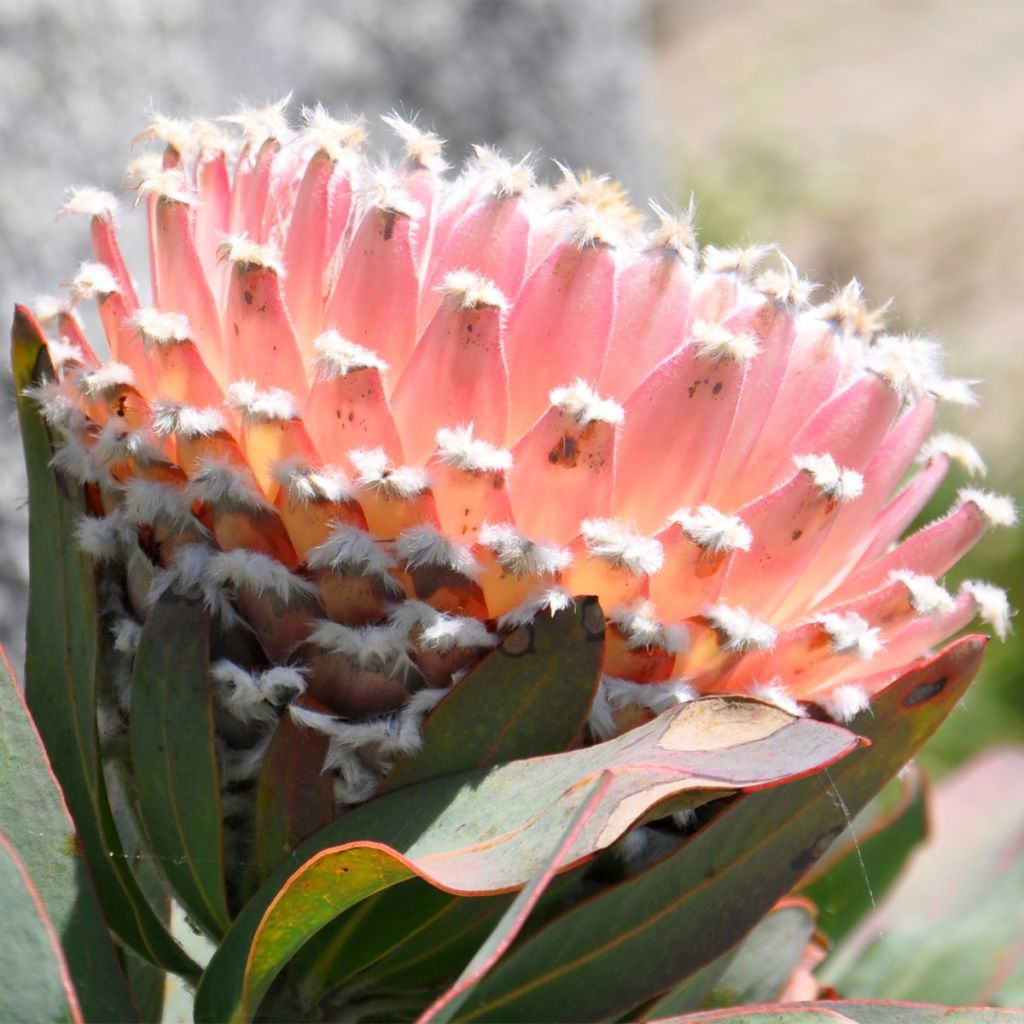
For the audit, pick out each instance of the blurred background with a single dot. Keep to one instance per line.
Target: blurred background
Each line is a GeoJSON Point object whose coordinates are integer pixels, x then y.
{"type": "Point", "coordinates": [876, 139]}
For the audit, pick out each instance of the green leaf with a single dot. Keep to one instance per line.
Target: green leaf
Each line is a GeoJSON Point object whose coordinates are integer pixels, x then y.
{"type": "Point", "coordinates": [529, 697]}
{"type": "Point", "coordinates": [488, 831]}
{"type": "Point", "coordinates": [870, 857]}
{"type": "Point", "coordinates": [62, 659]}
{"type": "Point", "coordinates": [175, 768]}
{"type": "Point", "coordinates": [767, 957]}
{"type": "Point", "coordinates": [35, 983]}
{"type": "Point", "coordinates": [38, 826]}
{"type": "Point", "coordinates": [651, 932]}
{"type": "Point", "coordinates": [952, 929]}
{"type": "Point", "coordinates": [851, 1011]}
{"type": "Point", "coordinates": [294, 795]}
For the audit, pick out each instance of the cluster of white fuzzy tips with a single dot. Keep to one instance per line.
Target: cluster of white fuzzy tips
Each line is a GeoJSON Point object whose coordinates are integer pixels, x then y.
{"type": "Point", "coordinates": [380, 416]}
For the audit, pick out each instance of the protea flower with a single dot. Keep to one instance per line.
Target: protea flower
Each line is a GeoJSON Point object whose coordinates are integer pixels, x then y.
{"type": "Point", "coordinates": [383, 417]}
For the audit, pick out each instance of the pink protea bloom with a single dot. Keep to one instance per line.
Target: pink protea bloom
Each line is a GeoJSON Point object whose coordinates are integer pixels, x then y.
{"type": "Point", "coordinates": [383, 415]}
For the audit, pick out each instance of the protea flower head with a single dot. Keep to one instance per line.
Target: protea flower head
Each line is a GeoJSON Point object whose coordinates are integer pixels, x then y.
{"type": "Point", "coordinates": [382, 416]}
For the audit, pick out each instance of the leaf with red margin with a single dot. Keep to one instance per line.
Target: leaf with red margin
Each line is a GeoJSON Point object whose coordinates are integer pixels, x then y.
{"type": "Point", "coordinates": [514, 918]}
{"type": "Point", "coordinates": [37, 824]}
{"type": "Point", "coordinates": [646, 935]}
{"type": "Point", "coordinates": [63, 661]}
{"type": "Point", "coordinates": [529, 697]}
{"type": "Point", "coordinates": [35, 983]}
{"type": "Point", "coordinates": [489, 831]}
{"type": "Point", "coordinates": [850, 1011]}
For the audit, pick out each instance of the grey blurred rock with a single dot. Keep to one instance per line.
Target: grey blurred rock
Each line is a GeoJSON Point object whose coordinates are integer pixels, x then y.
{"type": "Point", "coordinates": [559, 78]}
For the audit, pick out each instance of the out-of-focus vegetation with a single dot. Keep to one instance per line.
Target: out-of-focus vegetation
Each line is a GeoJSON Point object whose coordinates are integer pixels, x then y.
{"type": "Point", "coordinates": [878, 141]}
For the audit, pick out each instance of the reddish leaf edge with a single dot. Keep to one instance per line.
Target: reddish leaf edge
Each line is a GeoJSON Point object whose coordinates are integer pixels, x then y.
{"type": "Point", "coordinates": [51, 932]}
{"type": "Point", "coordinates": [831, 1007]}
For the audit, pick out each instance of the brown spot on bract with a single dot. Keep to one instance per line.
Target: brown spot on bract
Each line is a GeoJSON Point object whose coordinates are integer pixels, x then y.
{"type": "Point", "coordinates": [717, 389]}
{"type": "Point", "coordinates": [389, 226]}
{"type": "Point", "coordinates": [796, 534]}
{"type": "Point", "coordinates": [565, 453]}
{"type": "Point", "coordinates": [247, 295]}
{"type": "Point", "coordinates": [924, 691]}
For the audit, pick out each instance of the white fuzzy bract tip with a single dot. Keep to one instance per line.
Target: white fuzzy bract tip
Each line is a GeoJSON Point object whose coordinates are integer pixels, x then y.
{"type": "Point", "coordinates": [338, 357]}
{"type": "Point", "coordinates": [261, 123]}
{"type": "Point", "coordinates": [547, 602]}
{"type": "Point", "coordinates": [643, 630]}
{"type": "Point", "coordinates": [246, 254]}
{"type": "Point", "coordinates": [257, 573]}
{"type": "Point", "coordinates": [157, 327]}
{"type": "Point", "coordinates": [502, 178]}
{"type": "Point", "coordinates": [330, 136]}
{"type": "Point", "coordinates": [306, 485]}
{"type": "Point", "coordinates": [254, 405]}
{"type": "Point", "coordinates": [384, 646]}
{"type": "Point", "coordinates": [850, 634]}
{"type": "Point", "coordinates": [149, 502]}
{"type": "Point", "coordinates": [425, 546]}
{"type": "Point", "coordinates": [167, 184]}
{"type": "Point", "coordinates": [354, 552]}
{"type": "Point", "coordinates": [775, 693]}
{"type": "Point", "coordinates": [956, 391]}
{"type": "Point", "coordinates": [993, 605]}
{"type": "Point", "coordinates": [422, 147]}
{"type": "Point", "coordinates": [845, 702]}
{"type": "Point", "coordinates": [385, 194]}
{"type": "Point", "coordinates": [849, 315]}
{"type": "Point", "coordinates": [621, 546]}
{"type": "Point", "coordinates": [581, 403]}
{"type": "Point", "coordinates": [174, 132]}
{"type": "Point", "coordinates": [927, 596]}
{"type": "Point", "coordinates": [456, 447]}
{"type": "Point", "coordinates": [466, 290]}
{"type": "Point", "coordinates": [116, 444]}
{"type": "Point", "coordinates": [441, 632]}
{"type": "Point", "coordinates": [187, 421]}
{"type": "Point", "coordinates": [831, 480]}
{"type": "Point", "coordinates": [911, 366]}
{"type": "Point", "coordinates": [656, 697]}
{"type": "Point", "coordinates": [106, 380]}
{"type": "Point", "coordinates": [63, 354]}
{"type": "Point", "coordinates": [718, 344]}
{"type": "Point", "coordinates": [738, 630]}
{"type": "Point", "coordinates": [739, 261]}
{"type": "Point", "coordinates": [377, 473]}
{"type": "Point", "coordinates": [519, 555]}
{"type": "Point", "coordinates": [675, 230]}
{"type": "Point", "coordinates": [223, 485]}
{"type": "Point", "coordinates": [786, 286]}
{"type": "Point", "coordinates": [105, 539]}
{"type": "Point", "coordinates": [998, 509]}
{"type": "Point", "coordinates": [712, 530]}
{"type": "Point", "coordinates": [589, 225]}
{"type": "Point", "coordinates": [956, 449]}
{"type": "Point", "coordinates": [90, 202]}
{"type": "Point", "coordinates": [94, 280]}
